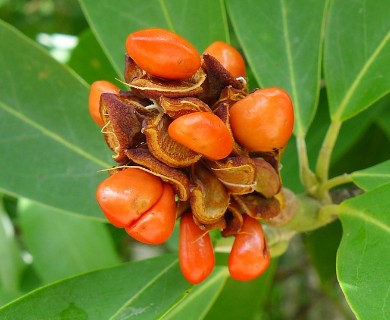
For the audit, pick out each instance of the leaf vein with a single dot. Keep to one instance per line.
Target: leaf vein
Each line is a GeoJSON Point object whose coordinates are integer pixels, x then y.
{"type": "Point", "coordinates": [290, 61]}
{"type": "Point", "coordinates": [145, 287]}
{"type": "Point", "coordinates": [166, 15]}
{"type": "Point", "coordinates": [365, 174]}
{"type": "Point", "coordinates": [53, 135]}
{"type": "Point", "coordinates": [385, 299]}
{"type": "Point", "coordinates": [359, 77]}
{"type": "Point", "coordinates": [363, 216]}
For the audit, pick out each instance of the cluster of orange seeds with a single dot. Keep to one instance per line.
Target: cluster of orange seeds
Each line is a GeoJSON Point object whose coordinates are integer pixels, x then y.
{"type": "Point", "coordinates": [192, 143]}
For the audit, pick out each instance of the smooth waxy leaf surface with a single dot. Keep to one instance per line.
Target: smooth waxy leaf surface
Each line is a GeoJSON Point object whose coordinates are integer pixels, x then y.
{"type": "Point", "coordinates": [141, 290]}
{"type": "Point", "coordinates": [89, 60]}
{"type": "Point", "coordinates": [200, 299]}
{"type": "Point", "coordinates": [243, 299]}
{"type": "Point", "coordinates": [189, 19]}
{"type": "Point", "coordinates": [356, 58]}
{"type": "Point", "coordinates": [50, 148]}
{"type": "Point", "coordinates": [352, 132]}
{"type": "Point", "coordinates": [282, 42]}
{"type": "Point", "coordinates": [373, 177]}
{"type": "Point", "coordinates": [84, 244]}
{"type": "Point", "coordinates": [363, 259]}
{"type": "Point", "coordinates": [383, 119]}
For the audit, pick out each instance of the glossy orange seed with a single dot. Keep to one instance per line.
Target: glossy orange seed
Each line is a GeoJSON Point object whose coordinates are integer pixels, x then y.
{"type": "Point", "coordinates": [249, 256]}
{"type": "Point", "coordinates": [229, 57]}
{"type": "Point", "coordinates": [96, 90]}
{"type": "Point", "coordinates": [263, 120]}
{"type": "Point", "coordinates": [126, 195]}
{"type": "Point", "coordinates": [156, 225]}
{"type": "Point", "coordinates": [202, 132]}
{"type": "Point", "coordinates": [163, 53]}
{"type": "Point", "coordinates": [196, 254]}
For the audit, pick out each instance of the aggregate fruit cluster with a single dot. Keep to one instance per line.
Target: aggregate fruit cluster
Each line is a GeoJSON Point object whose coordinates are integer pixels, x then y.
{"type": "Point", "coordinates": [191, 143]}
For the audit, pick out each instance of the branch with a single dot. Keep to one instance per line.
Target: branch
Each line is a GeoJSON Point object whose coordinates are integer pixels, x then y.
{"type": "Point", "coordinates": [325, 154]}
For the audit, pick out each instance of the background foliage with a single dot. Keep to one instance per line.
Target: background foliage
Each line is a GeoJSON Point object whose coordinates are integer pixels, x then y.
{"type": "Point", "coordinates": [61, 261]}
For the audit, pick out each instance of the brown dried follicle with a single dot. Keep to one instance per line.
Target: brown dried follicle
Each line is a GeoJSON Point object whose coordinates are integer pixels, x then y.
{"type": "Point", "coordinates": [209, 198]}
{"type": "Point", "coordinates": [163, 147]}
{"type": "Point", "coordinates": [234, 220]}
{"type": "Point", "coordinates": [123, 117]}
{"type": "Point", "coordinates": [218, 78]}
{"type": "Point", "coordinates": [257, 206]}
{"type": "Point", "coordinates": [150, 87]}
{"type": "Point", "coordinates": [268, 181]}
{"type": "Point", "coordinates": [219, 192]}
{"type": "Point", "coordinates": [238, 174]}
{"type": "Point", "coordinates": [178, 107]}
{"type": "Point", "coordinates": [179, 181]}
{"type": "Point", "coordinates": [289, 206]}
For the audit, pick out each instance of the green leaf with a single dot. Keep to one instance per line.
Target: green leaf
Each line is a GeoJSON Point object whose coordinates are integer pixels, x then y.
{"type": "Point", "coordinates": [376, 146]}
{"type": "Point", "coordinates": [7, 296]}
{"type": "Point", "coordinates": [89, 61]}
{"type": "Point", "coordinates": [243, 299]}
{"type": "Point", "coordinates": [352, 131]}
{"type": "Point", "coordinates": [3, 2]}
{"type": "Point", "coordinates": [383, 119]}
{"type": "Point", "coordinates": [355, 130]}
{"type": "Point", "coordinates": [282, 42]}
{"type": "Point", "coordinates": [141, 290]}
{"type": "Point", "coordinates": [363, 259]}
{"type": "Point", "coordinates": [113, 21]}
{"type": "Point", "coordinates": [50, 148]}
{"type": "Point", "coordinates": [373, 177]}
{"type": "Point", "coordinates": [197, 303]}
{"type": "Point", "coordinates": [357, 47]}
{"type": "Point", "coordinates": [84, 244]}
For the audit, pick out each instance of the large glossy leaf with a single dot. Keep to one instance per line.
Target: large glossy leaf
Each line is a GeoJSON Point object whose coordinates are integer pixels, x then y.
{"type": "Point", "coordinates": [243, 299]}
{"type": "Point", "coordinates": [201, 298]}
{"type": "Point", "coordinates": [384, 119]}
{"type": "Point", "coordinates": [50, 148]}
{"type": "Point", "coordinates": [140, 290]}
{"type": "Point", "coordinates": [85, 245]}
{"type": "Point", "coordinates": [282, 42]}
{"type": "Point", "coordinates": [373, 177]}
{"type": "Point", "coordinates": [373, 142]}
{"type": "Point", "coordinates": [201, 22]}
{"type": "Point", "coordinates": [352, 131]}
{"type": "Point", "coordinates": [363, 259]}
{"type": "Point", "coordinates": [89, 60]}
{"type": "Point", "coordinates": [357, 49]}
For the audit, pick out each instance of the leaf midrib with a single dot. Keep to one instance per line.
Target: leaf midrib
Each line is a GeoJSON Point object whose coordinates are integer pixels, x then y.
{"type": "Point", "coordinates": [291, 68]}
{"type": "Point", "coordinates": [221, 273]}
{"type": "Point", "coordinates": [52, 135]}
{"type": "Point", "coordinates": [346, 210]}
{"type": "Point", "coordinates": [166, 15]}
{"type": "Point", "coordinates": [144, 288]}
{"type": "Point", "coordinates": [361, 174]}
{"type": "Point", "coordinates": [337, 116]}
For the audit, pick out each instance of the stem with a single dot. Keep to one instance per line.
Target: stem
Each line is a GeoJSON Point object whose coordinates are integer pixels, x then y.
{"type": "Point", "coordinates": [278, 239]}
{"type": "Point", "coordinates": [304, 213]}
{"type": "Point", "coordinates": [334, 182]}
{"type": "Point", "coordinates": [327, 214]}
{"type": "Point", "coordinates": [324, 157]}
{"type": "Point", "coordinates": [308, 177]}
